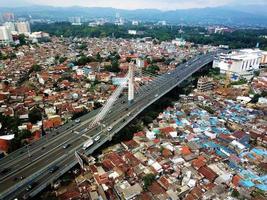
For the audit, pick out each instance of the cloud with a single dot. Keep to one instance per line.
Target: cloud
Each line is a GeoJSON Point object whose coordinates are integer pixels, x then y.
{"type": "Point", "coordinates": [137, 4]}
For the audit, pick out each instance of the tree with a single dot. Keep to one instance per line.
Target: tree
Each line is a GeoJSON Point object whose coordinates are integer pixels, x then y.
{"type": "Point", "coordinates": [148, 180]}
{"type": "Point", "coordinates": [255, 98]}
{"type": "Point", "coordinates": [98, 57]}
{"type": "Point", "coordinates": [153, 69]}
{"type": "Point", "coordinates": [35, 115]}
{"type": "Point", "coordinates": [22, 40]}
{"type": "Point", "coordinates": [35, 68]}
{"type": "Point", "coordinates": [114, 66]}
{"type": "Point", "coordinates": [235, 193]}
{"type": "Point", "coordinates": [79, 114]}
{"type": "Point", "coordinates": [82, 60]}
{"type": "Point", "coordinates": [62, 59]}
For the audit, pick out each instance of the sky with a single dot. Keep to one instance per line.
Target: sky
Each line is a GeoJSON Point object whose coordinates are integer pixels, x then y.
{"type": "Point", "coordinates": [134, 4]}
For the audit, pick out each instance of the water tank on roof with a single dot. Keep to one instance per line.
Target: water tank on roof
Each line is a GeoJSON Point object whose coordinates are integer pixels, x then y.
{"type": "Point", "coordinates": [75, 96]}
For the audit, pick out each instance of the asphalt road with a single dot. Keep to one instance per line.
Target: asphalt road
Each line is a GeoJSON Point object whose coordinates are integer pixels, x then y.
{"type": "Point", "coordinates": [36, 167]}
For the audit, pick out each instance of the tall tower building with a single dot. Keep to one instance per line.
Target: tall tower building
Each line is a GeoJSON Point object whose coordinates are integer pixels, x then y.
{"type": "Point", "coordinates": [23, 27]}
{"type": "Point", "coordinates": [8, 17]}
{"type": "Point", "coordinates": [5, 35]}
{"type": "Point", "coordinates": [10, 25]}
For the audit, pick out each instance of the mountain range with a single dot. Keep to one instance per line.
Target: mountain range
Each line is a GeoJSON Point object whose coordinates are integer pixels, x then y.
{"type": "Point", "coordinates": [242, 16]}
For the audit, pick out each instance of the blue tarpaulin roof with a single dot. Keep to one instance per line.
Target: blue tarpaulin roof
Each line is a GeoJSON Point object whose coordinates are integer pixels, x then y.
{"type": "Point", "coordinates": [246, 183]}
{"type": "Point", "coordinates": [262, 187]}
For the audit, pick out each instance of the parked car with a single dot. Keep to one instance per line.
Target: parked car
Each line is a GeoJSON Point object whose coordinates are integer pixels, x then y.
{"type": "Point", "coordinates": [53, 169]}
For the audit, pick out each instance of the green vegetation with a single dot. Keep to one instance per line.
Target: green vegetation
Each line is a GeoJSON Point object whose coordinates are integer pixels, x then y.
{"type": "Point", "coordinates": [114, 67]}
{"type": "Point", "coordinates": [241, 81]}
{"type": "Point", "coordinates": [214, 71]}
{"type": "Point", "coordinates": [22, 39]}
{"type": "Point", "coordinates": [79, 114]}
{"type": "Point", "coordinates": [35, 68]}
{"type": "Point", "coordinates": [148, 180]}
{"type": "Point", "coordinates": [153, 69]}
{"type": "Point", "coordinates": [243, 38]}
{"type": "Point", "coordinates": [11, 56]}
{"type": "Point", "coordinates": [235, 193]}
{"type": "Point", "coordinates": [10, 126]}
{"type": "Point", "coordinates": [62, 59]}
{"type": "Point", "coordinates": [35, 115]}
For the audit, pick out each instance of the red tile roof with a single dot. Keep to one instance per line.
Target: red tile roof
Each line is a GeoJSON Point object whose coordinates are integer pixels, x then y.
{"type": "Point", "coordinates": [208, 173]}
{"type": "Point", "coordinates": [167, 130]}
{"type": "Point", "coordinates": [163, 181]}
{"type": "Point", "coordinates": [156, 189]}
{"type": "Point", "coordinates": [199, 162]}
{"type": "Point", "coordinates": [186, 150]}
{"type": "Point", "coordinates": [235, 180]}
{"type": "Point", "coordinates": [4, 144]}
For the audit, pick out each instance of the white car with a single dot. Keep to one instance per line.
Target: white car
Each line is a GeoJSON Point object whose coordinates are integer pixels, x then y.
{"type": "Point", "coordinates": [77, 120]}
{"type": "Point", "coordinates": [84, 130]}
{"type": "Point", "coordinates": [109, 128]}
{"type": "Point", "coordinates": [97, 138]}
{"type": "Point", "coordinates": [156, 95]}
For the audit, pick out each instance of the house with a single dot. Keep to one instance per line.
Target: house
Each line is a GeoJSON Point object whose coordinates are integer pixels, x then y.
{"type": "Point", "coordinates": [208, 173]}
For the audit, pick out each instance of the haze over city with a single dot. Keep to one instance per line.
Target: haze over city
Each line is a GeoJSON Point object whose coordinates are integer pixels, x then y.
{"type": "Point", "coordinates": [137, 4]}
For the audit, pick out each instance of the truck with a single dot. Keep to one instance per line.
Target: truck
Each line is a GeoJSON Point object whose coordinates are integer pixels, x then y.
{"type": "Point", "coordinates": [88, 143]}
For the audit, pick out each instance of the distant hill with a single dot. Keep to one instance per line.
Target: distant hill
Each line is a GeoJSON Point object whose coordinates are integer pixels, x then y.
{"type": "Point", "coordinates": [232, 16]}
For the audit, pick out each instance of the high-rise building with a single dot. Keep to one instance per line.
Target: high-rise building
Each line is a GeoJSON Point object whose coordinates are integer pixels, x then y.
{"type": "Point", "coordinates": [75, 20]}
{"type": "Point", "coordinates": [8, 17]}
{"type": "Point", "coordinates": [10, 25]}
{"type": "Point", "coordinates": [23, 27]}
{"type": "Point", "coordinates": [5, 35]}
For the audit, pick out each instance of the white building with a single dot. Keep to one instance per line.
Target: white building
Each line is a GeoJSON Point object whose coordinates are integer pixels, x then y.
{"type": "Point", "coordinates": [5, 35]}
{"type": "Point", "coordinates": [75, 20]}
{"type": "Point", "coordinates": [23, 27]}
{"type": "Point", "coordinates": [135, 23]}
{"type": "Point", "coordinates": [11, 26]}
{"type": "Point", "coordinates": [179, 42]}
{"type": "Point", "coordinates": [241, 63]}
{"type": "Point", "coordinates": [264, 57]}
{"type": "Point", "coordinates": [132, 32]}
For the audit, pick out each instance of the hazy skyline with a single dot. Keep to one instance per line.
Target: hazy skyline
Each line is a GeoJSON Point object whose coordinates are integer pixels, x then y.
{"type": "Point", "coordinates": [134, 4]}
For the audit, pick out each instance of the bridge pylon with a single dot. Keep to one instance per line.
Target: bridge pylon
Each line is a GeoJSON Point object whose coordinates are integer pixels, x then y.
{"type": "Point", "coordinates": [131, 84]}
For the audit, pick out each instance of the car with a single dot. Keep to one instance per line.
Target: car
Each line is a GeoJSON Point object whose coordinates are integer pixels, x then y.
{"type": "Point", "coordinates": [122, 102]}
{"type": "Point", "coordinates": [77, 132]}
{"type": "Point", "coordinates": [77, 120]}
{"type": "Point", "coordinates": [126, 109]}
{"type": "Point", "coordinates": [109, 128]}
{"type": "Point", "coordinates": [169, 73]}
{"type": "Point", "coordinates": [97, 138]}
{"type": "Point", "coordinates": [109, 111]}
{"type": "Point", "coordinates": [128, 114]}
{"type": "Point", "coordinates": [156, 95]}
{"type": "Point", "coordinates": [30, 186]}
{"type": "Point", "coordinates": [53, 169]}
{"type": "Point", "coordinates": [65, 146]}
{"type": "Point", "coordinates": [84, 130]}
